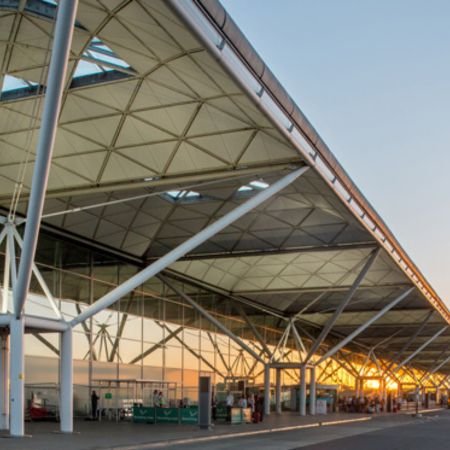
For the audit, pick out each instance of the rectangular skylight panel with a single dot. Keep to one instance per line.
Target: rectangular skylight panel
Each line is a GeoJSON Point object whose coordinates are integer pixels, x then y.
{"type": "Point", "coordinates": [86, 68]}
{"type": "Point", "coordinates": [259, 184]}
{"type": "Point", "coordinates": [173, 194]}
{"type": "Point", "coordinates": [192, 194]}
{"type": "Point", "coordinates": [11, 83]}
{"type": "Point", "coordinates": [110, 59]}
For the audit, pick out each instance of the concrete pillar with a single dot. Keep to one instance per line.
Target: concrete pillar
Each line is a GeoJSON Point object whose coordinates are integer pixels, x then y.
{"type": "Point", "coordinates": [278, 391]}
{"type": "Point", "coordinates": [4, 382]}
{"type": "Point", "coordinates": [302, 402]}
{"type": "Point", "coordinates": [312, 391]}
{"type": "Point", "coordinates": [66, 383]}
{"type": "Point", "coordinates": [267, 390]}
{"type": "Point", "coordinates": [17, 378]}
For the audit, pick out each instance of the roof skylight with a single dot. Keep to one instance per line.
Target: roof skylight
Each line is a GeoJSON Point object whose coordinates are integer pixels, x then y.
{"type": "Point", "coordinates": [11, 83]}
{"type": "Point", "coordinates": [255, 184]}
{"type": "Point", "coordinates": [178, 195]}
{"type": "Point", "coordinates": [98, 63]}
{"type": "Point", "coordinates": [259, 184]}
{"type": "Point", "coordinates": [14, 87]}
{"type": "Point", "coordinates": [99, 58]}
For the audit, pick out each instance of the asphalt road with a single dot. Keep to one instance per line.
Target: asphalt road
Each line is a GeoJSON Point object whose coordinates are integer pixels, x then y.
{"type": "Point", "coordinates": [429, 433]}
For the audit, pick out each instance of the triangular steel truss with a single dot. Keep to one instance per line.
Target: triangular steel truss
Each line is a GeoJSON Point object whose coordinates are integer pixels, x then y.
{"type": "Point", "coordinates": [14, 241]}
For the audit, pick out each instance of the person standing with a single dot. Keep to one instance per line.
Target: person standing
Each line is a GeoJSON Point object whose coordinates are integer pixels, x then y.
{"type": "Point", "coordinates": [214, 407]}
{"type": "Point", "coordinates": [161, 400]}
{"type": "Point", "coordinates": [155, 398]}
{"type": "Point", "coordinates": [242, 402]}
{"type": "Point", "coordinates": [230, 403]}
{"type": "Point", "coordinates": [94, 405]}
{"type": "Point", "coordinates": [251, 402]}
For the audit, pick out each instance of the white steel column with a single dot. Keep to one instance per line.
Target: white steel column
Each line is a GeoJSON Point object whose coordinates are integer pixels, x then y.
{"type": "Point", "coordinates": [302, 400]}
{"type": "Point", "coordinates": [278, 391]}
{"type": "Point", "coordinates": [17, 377]}
{"type": "Point", "coordinates": [4, 382]}
{"type": "Point", "coordinates": [266, 390]}
{"type": "Point", "coordinates": [62, 40]}
{"type": "Point", "coordinates": [66, 382]}
{"type": "Point", "coordinates": [312, 391]}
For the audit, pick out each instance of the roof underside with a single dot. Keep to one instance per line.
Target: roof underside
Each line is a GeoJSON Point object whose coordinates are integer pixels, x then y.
{"type": "Point", "coordinates": [172, 119]}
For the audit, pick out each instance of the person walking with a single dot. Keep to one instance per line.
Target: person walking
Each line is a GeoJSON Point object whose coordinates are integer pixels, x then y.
{"type": "Point", "coordinates": [94, 405]}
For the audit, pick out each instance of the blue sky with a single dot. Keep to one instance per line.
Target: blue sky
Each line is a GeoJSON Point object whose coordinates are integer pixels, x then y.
{"type": "Point", "coordinates": [373, 76]}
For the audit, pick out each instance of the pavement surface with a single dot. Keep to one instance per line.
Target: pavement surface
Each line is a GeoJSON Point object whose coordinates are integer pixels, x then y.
{"type": "Point", "coordinates": [429, 433]}
{"type": "Point", "coordinates": [401, 432]}
{"type": "Point", "coordinates": [285, 432]}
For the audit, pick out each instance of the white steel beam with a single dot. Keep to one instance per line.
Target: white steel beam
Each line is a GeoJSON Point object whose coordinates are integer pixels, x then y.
{"type": "Point", "coordinates": [169, 258]}
{"type": "Point", "coordinates": [364, 326]}
{"type": "Point", "coordinates": [38, 276]}
{"type": "Point", "coordinates": [329, 325]}
{"type": "Point", "coordinates": [298, 338]}
{"type": "Point", "coordinates": [62, 41]}
{"type": "Point", "coordinates": [412, 339]}
{"type": "Point", "coordinates": [43, 324]}
{"type": "Point", "coordinates": [423, 346]}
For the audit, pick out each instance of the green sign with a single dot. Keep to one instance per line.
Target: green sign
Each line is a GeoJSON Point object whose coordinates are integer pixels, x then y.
{"type": "Point", "coordinates": [189, 415]}
{"type": "Point", "coordinates": [143, 414]}
{"type": "Point", "coordinates": [221, 412]}
{"type": "Point", "coordinates": [108, 396]}
{"type": "Point", "coordinates": [167, 415]}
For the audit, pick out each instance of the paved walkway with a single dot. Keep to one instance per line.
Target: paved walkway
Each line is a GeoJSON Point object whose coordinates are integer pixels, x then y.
{"type": "Point", "coordinates": [288, 428]}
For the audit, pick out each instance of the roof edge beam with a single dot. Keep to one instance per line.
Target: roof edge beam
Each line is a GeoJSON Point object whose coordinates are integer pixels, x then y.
{"type": "Point", "coordinates": [65, 21]}
{"type": "Point", "coordinates": [169, 258]}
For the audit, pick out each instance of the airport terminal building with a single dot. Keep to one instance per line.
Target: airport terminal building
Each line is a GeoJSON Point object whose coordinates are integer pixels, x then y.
{"type": "Point", "coordinates": [168, 212]}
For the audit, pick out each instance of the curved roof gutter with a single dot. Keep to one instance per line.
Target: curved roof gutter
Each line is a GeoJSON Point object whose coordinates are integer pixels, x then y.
{"type": "Point", "coordinates": [211, 23]}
